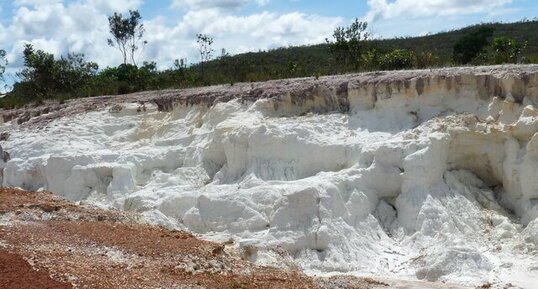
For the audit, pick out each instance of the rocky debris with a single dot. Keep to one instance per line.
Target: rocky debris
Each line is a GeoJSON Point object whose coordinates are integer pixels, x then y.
{"type": "Point", "coordinates": [116, 108]}
{"type": "Point", "coordinates": [141, 107]}
{"type": "Point", "coordinates": [346, 282]}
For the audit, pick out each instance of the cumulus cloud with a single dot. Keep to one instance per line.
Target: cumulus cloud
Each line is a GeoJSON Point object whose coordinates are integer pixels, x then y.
{"type": "Point", "coordinates": [210, 4]}
{"type": "Point", "coordinates": [35, 2]}
{"type": "Point", "coordinates": [59, 27]}
{"type": "Point", "coordinates": [101, 5]}
{"type": "Point", "coordinates": [82, 26]}
{"type": "Point", "coordinates": [383, 9]}
{"type": "Point", "coordinates": [234, 33]}
{"type": "Point", "coordinates": [114, 5]}
{"type": "Point", "coordinates": [262, 2]}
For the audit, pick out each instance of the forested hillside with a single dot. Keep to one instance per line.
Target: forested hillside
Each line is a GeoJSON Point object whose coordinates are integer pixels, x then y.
{"type": "Point", "coordinates": [317, 59]}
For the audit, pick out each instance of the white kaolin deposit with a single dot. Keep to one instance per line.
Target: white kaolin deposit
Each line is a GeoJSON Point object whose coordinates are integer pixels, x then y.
{"type": "Point", "coordinates": [428, 175]}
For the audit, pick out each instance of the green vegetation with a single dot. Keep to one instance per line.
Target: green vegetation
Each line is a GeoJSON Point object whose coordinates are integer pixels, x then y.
{"type": "Point", "coordinates": [506, 50]}
{"type": "Point", "coordinates": [470, 45]}
{"type": "Point", "coordinates": [350, 50]}
{"type": "Point", "coordinates": [45, 77]}
{"type": "Point", "coordinates": [397, 59]}
{"type": "Point", "coordinates": [349, 44]}
{"type": "Point", "coordinates": [428, 51]}
{"type": "Point", "coordinates": [126, 34]}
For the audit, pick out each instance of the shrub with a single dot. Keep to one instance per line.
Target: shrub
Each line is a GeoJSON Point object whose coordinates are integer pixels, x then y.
{"type": "Point", "coordinates": [425, 59]}
{"type": "Point", "coordinates": [506, 50]}
{"type": "Point", "coordinates": [533, 59]}
{"type": "Point", "coordinates": [397, 59]}
{"type": "Point", "coordinates": [370, 59]}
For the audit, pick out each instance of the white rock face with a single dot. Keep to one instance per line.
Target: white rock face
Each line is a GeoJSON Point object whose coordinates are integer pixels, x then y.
{"type": "Point", "coordinates": [434, 177]}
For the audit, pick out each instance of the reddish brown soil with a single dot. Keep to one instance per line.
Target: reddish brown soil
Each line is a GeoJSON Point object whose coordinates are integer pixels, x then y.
{"type": "Point", "coordinates": [15, 272]}
{"type": "Point", "coordinates": [92, 248]}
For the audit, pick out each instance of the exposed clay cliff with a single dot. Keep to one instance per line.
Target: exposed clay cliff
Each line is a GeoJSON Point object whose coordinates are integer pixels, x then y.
{"type": "Point", "coordinates": [325, 94]}
{"type": "Point", "coordinates": [429, 174]}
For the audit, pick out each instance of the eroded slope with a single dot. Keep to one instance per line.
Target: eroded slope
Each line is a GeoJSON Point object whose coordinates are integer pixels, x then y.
{"type": "Point", "coordinates": [420, 174]}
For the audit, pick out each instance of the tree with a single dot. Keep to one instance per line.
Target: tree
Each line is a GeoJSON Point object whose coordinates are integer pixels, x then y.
{"type": "Point", "coordinates": [127, 34]}
{"type": "Point", "coordinates": [74, 72]}
{"type": "Point", "coordinates": [204, 42]}
{"type": "Point", "coordinates": [349, 43]}
{"type": "Point", "coordinates": [45, 77]}
{"type": "Point", "coordinates": [38, 75]}
{"type": "Point", "coordinates": [470, 45]}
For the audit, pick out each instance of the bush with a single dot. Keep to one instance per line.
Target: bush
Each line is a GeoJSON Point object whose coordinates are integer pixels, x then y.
{"type": "Point", "coordinates": [506, 50]}
{"type": "Point", "coordinates": [533, 59]}
{"type": "Point", "coordinates": [425, 59]}
{"type": "Point", "coordinates": [125, 78]}
{"type": "Point", "coordinates": [370, 59]}
{"type": "Point", "coordinates": [397, 59]}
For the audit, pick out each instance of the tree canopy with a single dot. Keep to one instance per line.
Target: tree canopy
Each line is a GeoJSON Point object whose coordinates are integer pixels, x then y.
{"type": "Point", "coordinates": [126, 34]}
{"type": "Point", "coordinates": [204, 47]}
{"type": "Point", "coordinates": [470, 45]}
{"type": "Point", "coordinates": [349, 43]}
{"type": "Point", "coordinates": [44, 76]}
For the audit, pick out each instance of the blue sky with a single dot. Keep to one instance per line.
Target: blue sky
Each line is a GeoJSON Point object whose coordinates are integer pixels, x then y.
{"type": "Point", "coordinates": [61, 26]}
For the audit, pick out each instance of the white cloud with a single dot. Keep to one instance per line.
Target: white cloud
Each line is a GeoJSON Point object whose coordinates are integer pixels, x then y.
{"type": "Point", "coordinates": [101, 5]}
{"type": "Point", "coordinates": [82, 26]}
{"type": "Point", "coordinates": [110, 6]}
{"type": "Point", "coordinates": [234, 33]}
{"type": "Point", "coordinates": [34, 2]}
{"type": "Point", "coordinates": [383, 9]}
{"type": "Point", "coordinates": [210, 4]}
{"type": "Point", "coordinates": [59, 28]}
{"type": "Point", "coordinates": [263, 2]}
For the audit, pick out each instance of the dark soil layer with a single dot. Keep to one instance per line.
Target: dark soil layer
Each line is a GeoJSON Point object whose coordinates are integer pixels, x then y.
{"type": "Point", "coordinates": [15, 272]}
